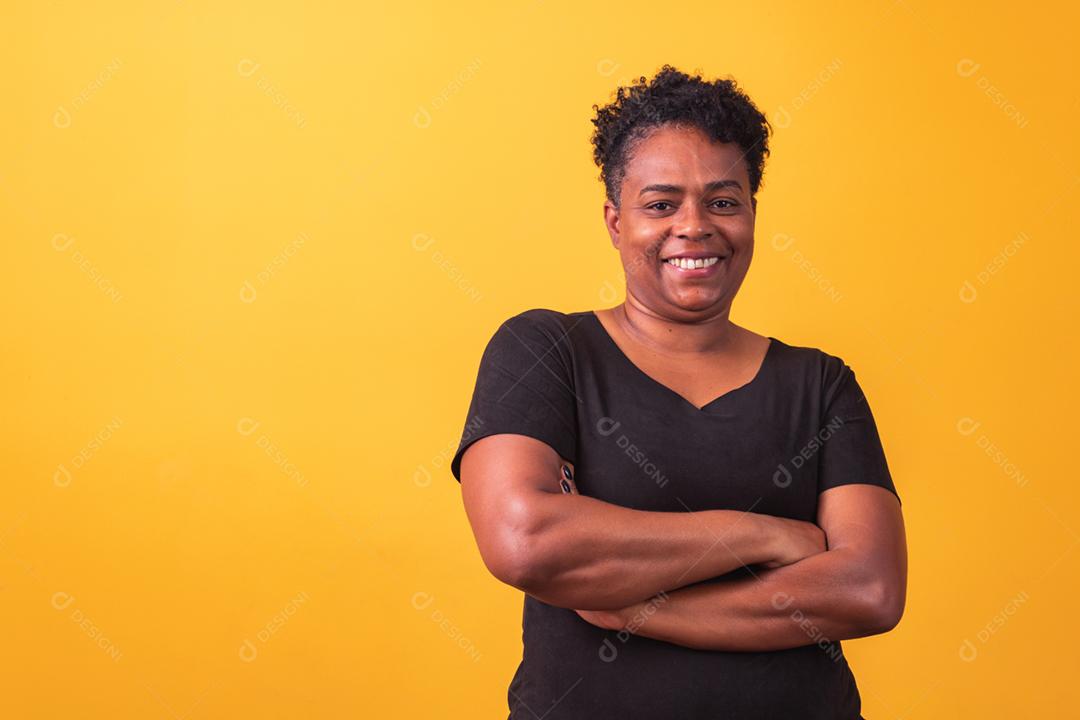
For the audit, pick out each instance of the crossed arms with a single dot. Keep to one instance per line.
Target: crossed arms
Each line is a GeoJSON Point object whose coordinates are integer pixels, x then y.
{"type": "Point", "coordinates": [843, 577]}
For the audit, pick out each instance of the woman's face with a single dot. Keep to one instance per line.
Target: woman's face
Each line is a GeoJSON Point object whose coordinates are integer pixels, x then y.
{"type": "Point", "coordinates": [684, 196]}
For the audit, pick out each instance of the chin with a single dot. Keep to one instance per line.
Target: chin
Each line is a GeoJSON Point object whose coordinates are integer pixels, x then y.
{"type": "Point", "coordinates": [697, 303]}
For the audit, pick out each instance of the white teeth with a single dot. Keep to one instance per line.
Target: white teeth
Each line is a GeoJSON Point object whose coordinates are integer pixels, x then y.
{"type": "Point", "coordinates": [689, 264]}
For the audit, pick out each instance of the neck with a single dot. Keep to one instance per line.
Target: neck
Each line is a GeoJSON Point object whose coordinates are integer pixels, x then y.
{"type": "Point", "coordinates": [711, 334]}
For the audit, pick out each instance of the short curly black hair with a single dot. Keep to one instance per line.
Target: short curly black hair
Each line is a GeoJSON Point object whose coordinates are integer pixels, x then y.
{"type": "Point", "coordinates": [719, 108]}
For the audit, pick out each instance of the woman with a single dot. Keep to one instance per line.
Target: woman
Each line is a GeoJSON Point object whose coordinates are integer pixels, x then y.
{"type": "Point", "coordinates": [697, 513]}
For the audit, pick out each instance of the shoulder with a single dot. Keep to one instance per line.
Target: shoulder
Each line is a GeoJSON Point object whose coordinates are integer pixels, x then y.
{"type": "Point", "coordinates": [542, 325]}
{"type": "Point", "coordinates": [809, 355]}
{"type": "Point", "coordinates": [824, 378]}
{"type": "Point", "coordinates": [544, 319]}
{"type": "Point", "coordinates": [536, 333]}
{"type": "Point", "coordinates": [819, 368]}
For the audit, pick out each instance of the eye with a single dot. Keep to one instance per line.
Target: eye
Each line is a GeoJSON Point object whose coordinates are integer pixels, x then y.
{"type": "Point", "coordinates": [663, 205]}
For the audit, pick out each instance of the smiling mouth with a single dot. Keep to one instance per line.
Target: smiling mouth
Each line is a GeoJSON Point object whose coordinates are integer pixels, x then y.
{"type": "Point", "coordinates": [685, 263]}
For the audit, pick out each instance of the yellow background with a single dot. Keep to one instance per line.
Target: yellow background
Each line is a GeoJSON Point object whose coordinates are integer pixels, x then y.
{"type": "Point", "coordinates": [248, 276]}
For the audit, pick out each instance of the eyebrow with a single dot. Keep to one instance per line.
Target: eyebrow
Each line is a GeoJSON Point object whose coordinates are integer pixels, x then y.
{"type": "Point", "coordinates": [709, 187]}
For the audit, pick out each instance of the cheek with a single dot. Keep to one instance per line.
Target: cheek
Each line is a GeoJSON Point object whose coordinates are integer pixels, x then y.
{"type": "Point", "coordinates": [639, 265]}
{"type": "Point", "coordinates": [741, 238]}
{"type": "Point", "coordinates": [740, 227]}
{"type": "Point", "coordinates": [640, 254]}
{"type": "Point", "coordinates": [644, 262]}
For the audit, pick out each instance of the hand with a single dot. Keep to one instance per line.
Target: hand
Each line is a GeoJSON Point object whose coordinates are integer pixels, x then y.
{"type": "Point", "coordinates": [608, 619]}
{"type": "Point", "coordinates": [566, 478]}
{"type": "Point", "coordinates": [794, 540]}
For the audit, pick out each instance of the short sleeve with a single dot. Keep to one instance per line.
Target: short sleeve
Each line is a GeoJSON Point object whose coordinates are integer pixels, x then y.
{"type": "Point", "coordinates": [850, 447]}
{"type": "Point", "coordinates": [524, 386]}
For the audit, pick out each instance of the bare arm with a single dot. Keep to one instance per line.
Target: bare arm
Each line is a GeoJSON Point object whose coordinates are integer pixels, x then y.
{"type": "Point", "coordinates": [574, 551]}
{"type": "Point", "coordinates": [854, 589]}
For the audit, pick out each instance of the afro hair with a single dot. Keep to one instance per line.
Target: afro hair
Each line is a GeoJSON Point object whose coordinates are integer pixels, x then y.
{"type": "Point", "coordinates": [720, 109]}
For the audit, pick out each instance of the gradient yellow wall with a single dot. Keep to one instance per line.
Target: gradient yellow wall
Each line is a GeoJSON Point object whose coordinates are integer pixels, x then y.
{"type": "Point", "coordinates": [252, 253]}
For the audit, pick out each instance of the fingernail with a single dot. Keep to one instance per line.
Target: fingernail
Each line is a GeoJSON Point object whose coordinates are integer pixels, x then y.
{"type": "Point", "coordinates": [566, 472]}
{"type": "Point", "coordinates": [565, 486]}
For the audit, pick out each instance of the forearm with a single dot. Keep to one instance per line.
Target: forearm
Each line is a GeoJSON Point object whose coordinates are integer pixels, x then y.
{"type": "Point", "coordinates": [585, 553]}
{"type": "Point", "coordinates": [824, 597]}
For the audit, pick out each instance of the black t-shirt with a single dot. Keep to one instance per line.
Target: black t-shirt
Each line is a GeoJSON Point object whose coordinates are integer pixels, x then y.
{"type": "Point", "coordinates": [801, 426]}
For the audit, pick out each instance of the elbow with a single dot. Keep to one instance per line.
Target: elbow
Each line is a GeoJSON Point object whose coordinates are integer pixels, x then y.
{"type": "Point", "coordinates": [883, 607]}
{"type": "Point", "coordinates": [514, 566]}
{"type": "Point", "coordinates": [514, 558]}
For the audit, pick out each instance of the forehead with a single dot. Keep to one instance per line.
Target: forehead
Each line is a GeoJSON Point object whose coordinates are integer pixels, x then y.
{"type": "Point", "coordinates": [684, 154]}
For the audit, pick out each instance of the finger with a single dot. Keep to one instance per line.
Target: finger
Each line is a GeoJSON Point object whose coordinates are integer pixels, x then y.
{"type": "Point", "coordinates": [567, 480]}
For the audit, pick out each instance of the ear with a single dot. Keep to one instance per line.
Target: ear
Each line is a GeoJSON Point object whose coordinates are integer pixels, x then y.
{"type": "Point", "coordinates": [611, 221]}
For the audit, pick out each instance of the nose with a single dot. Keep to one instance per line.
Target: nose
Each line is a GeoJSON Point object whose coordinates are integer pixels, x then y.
{"type": "Point", "coordinates": [691, 223]}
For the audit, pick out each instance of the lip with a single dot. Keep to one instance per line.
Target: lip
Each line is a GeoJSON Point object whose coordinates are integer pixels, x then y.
{"type": "Point", "coordinates": [694, 255]}
{"type": "Point", "coordinates": [703, 272]}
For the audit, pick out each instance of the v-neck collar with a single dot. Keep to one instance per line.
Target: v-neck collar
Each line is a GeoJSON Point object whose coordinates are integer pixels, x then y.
{"type": "Point", "coordinates": [773, 342]}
